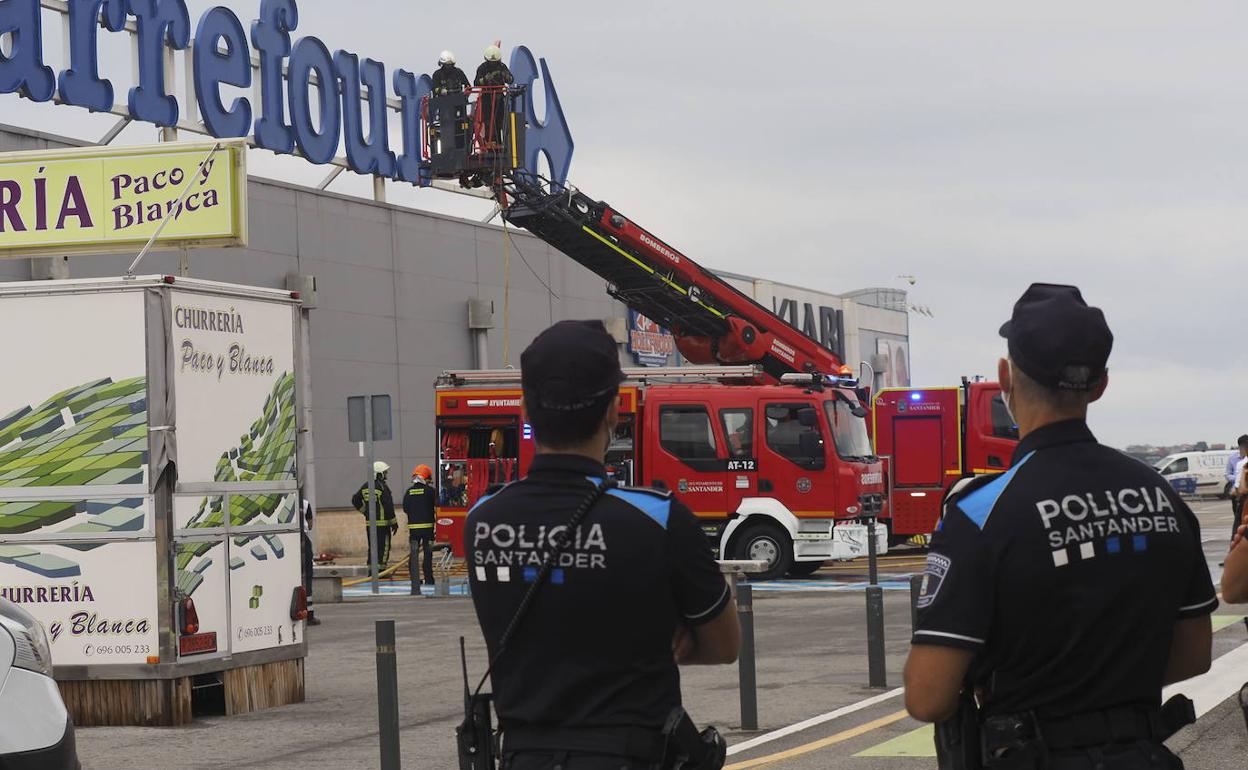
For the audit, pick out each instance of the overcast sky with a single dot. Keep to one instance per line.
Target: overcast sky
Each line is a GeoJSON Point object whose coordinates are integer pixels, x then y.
{"type": "Point", "coordinates": [977, 146]}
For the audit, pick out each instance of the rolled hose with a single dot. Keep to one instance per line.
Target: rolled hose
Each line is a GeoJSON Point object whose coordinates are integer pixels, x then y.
{"type": "Point", "coordinates": [384, 573]}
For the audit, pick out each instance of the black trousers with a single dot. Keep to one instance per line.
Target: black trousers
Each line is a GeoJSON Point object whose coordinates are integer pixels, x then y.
{"type": "Point", "coordinates": [1237, 510]}
{"type": "Point", "coordinates": [1141, 755]}
{"type": "Point", "coordinates": [383, 545]}
{"type": "Point", "coordinates": [307, 565]}
{"type": "Point", "coordinates": [424, 544]}
{"type": "Point", "coordinates": [563, 760]}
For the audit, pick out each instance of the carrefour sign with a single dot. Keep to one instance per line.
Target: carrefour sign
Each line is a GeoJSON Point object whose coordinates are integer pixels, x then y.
{"type": "Point", "coordinates": [221, 52]}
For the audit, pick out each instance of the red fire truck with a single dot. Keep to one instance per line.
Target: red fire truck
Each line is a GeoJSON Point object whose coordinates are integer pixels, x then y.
{"type": "Point", "coordinates": [777, 472]}
{"type": "Point", "coordinates": [929, 438]}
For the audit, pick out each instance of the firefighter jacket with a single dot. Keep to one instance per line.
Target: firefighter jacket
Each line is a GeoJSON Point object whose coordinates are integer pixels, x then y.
{"type": "Point", "coordinates": [385, 502]}
{"type": "Point", "coordinates": [418, 505]}
{"type": "Point", "coordinates": [448, 79]}
{"type": "Point", "coordinates": [493, 73]}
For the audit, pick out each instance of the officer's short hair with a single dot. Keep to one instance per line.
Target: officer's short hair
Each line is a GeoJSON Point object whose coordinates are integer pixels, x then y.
{"type": "Point", "coordinates": [1056, 398]}
{"type": "Point", "coordinates": [1243, 440]}
{"type": "Point", "coordinates": [561, 429]}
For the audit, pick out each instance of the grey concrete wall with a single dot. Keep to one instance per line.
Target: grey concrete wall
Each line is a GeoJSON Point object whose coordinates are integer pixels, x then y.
{"type": "Point", "coordinates": [393, 287]}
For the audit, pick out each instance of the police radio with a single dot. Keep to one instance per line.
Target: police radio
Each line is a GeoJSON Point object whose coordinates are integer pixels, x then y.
{"type": "Point", "coordinates": [474, 737]}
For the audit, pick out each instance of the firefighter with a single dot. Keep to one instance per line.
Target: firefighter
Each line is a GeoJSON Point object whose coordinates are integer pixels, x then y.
{"type": "Point", "coordinates": [418, 504]}
{"type": "Point", "coordinates": [448, 79]}
{"type": "Point", "coordinates": [494, 75]}
{"type": "Point", "coordinates": [387, 525]}
{"type": "Point", "coordinates": [590, 677]}
{"type": "Point", "coordinates": [1067, 591]}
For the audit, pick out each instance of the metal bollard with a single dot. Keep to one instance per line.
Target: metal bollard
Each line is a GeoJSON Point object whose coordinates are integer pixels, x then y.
{"type": "Point", "coordinates": [875, 637]}
{"type": "Point", "coordinates": [745, 661]}
{"type": "Point", "coordinates": [441, 586]}
{"type": "Point", "coordinates": [916, 587]}
{"type": "Point", "coordinates": [387, 695]}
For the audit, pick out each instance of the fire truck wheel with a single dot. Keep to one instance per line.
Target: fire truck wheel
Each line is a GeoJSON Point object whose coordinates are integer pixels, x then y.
{"type": "Point", "coordinates": [765, 542]}
{"type": "Point", "coordinates": [803, 569]}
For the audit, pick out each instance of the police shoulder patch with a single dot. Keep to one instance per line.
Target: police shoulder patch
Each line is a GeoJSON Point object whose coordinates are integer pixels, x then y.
{"type": "Point", "coordinates": [934, 575]}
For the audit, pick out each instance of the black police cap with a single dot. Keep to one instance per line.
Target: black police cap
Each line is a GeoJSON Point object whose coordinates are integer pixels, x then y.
{"type": "Point", "coordinates": [1057, 339]}
{"type": "Point", "coordinates": [572, 365]}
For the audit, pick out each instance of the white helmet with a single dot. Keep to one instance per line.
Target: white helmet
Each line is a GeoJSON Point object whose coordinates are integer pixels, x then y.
{"type": "Point", "coordinates": [446, 58]}
{"type": "Point", "coordinates": [379, 467]}
{"type": "Point", "coordinates": [493, 53]}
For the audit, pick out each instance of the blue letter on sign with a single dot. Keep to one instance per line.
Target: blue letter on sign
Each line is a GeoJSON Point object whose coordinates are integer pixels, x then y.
{"type": "Point", "coordinates": [22, 71]}
{"type": "Point", "coordinates": [269, 34]}
{"type": "Point", "coordinates": [159, 21]}
{"type": "Point", "coordinates": [372, 155]}
{"type": "Point", "coordinates": [81, 84]}
{"type": "Point", "coordinates": [550, 136]}
{"type": "Point", "coordinates": [310, 55]}
{"type": "Point", "coordinates": [412, 91]}
{"type": "Point", "coordinates": [213, 68]}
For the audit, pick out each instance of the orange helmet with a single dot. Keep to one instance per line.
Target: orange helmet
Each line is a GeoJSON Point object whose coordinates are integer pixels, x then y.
{"type": "Point", "coordinates": [423, 471]}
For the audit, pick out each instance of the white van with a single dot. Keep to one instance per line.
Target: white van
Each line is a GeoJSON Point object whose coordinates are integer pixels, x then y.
{"type": "Point", "coordinates": [1208, 469]}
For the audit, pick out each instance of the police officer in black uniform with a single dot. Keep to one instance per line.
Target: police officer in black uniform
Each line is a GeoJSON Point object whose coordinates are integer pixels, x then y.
{"type": "Point", "coordinates": [387, 524]}
{"type": "Point", "coordinates": [1065, 592]}
{"type": "Point", "coordinates": [590, 675]}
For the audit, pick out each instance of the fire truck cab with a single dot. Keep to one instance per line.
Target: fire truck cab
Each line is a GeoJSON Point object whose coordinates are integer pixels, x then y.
{"type": "Point", "coordinates": [782, 473]}
{"type": "Point", "coordinates": [930, 438]}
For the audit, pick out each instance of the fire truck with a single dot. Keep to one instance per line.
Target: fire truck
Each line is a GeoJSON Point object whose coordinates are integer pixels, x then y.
{"type": "Point", "coordinates": [929, 438]}
{"type": "Point", "coordinates": [748, 452]}
{"type": "Point", "coordinates": [779, 472]}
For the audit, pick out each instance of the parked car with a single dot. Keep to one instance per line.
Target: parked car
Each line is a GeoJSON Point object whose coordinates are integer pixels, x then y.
{"type": "Point", "coordinates": [1201, 473]}
{"type": "Point", "coordinates": [35, 729]}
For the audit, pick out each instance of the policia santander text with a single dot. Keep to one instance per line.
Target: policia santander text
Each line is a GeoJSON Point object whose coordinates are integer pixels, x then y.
{"type": "Point", "coordinates": [1061, 595]}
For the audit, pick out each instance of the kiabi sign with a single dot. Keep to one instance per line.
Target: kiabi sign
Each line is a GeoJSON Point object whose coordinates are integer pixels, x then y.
{"type": "Point", "coordinates": [219, 54]}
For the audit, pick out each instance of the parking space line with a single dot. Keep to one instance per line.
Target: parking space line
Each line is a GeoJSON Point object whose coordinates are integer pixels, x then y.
{"type": "Point", "coordinates": [822, 743]}
{"type": "Point", "coordinates": [813, 721]}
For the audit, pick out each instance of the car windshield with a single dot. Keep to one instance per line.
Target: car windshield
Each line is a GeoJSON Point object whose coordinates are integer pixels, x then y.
{"type": "Point", "coordinates": [849, 433]}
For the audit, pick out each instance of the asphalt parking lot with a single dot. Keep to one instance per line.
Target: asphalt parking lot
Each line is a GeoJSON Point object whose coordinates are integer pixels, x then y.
{"type": "Point", "coordinates": [812, 668]}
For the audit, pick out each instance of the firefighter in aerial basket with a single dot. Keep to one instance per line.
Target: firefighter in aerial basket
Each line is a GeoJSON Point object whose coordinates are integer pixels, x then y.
{"type": "Point", "coordinates": [448, 78]}
{"type": "Point", "coordinates": [1062, 595]}
{"type": "Point", "coordinates": [492, 106]}
{"type": "Point", "coordinates": [585, 626]}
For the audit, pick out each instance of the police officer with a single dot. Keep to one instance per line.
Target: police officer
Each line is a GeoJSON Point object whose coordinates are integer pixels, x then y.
{"type": "Point", "coordinates": [1065, 592]}
{"type": "Point", "coordinates": [590, 676]}
{"type": "Point", "coordinates": [447, 78]}
{"type": "Point", "coordinates": [418, 504]}
{"type": "Point", "coordinates": [387, 524]}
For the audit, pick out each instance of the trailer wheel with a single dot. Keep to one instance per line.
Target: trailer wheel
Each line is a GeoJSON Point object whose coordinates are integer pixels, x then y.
{"type": "Point", "coordinates": [765, 542]}
{"type": "Point", "coordinates": [801, 569]}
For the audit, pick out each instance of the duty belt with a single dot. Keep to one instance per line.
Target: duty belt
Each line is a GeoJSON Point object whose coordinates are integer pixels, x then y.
{"type": "Point", "coordinates": [1121, 724]}
{"type": "Point", "coordinates": [632, 742]}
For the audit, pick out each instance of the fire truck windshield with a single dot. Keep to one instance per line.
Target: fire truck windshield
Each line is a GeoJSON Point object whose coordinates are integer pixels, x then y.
{"type": "Point", "coordinates": [849, 433]}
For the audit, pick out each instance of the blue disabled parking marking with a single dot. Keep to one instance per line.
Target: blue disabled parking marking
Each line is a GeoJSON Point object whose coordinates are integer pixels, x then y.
{"type": "Point", "coordinates": [800, 586]}
{"type": "Point", "coordinates": [399, 588]}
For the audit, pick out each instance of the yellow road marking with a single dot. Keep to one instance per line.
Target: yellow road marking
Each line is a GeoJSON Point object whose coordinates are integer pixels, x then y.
{"type": "Point", "coordinates": [831, 740]}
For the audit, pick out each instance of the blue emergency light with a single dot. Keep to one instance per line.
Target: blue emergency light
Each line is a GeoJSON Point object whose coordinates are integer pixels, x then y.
{"type": "Point", "coordinates": [526, 431]}
{"type": "Point", "coordinates": [916, 396]}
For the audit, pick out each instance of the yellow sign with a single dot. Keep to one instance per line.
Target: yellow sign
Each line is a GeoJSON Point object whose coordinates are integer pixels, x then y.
{"type": "Point", "coordinates": [107, 199]}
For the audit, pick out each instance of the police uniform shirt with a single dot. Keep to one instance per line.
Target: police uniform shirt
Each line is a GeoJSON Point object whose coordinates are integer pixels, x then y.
{"type": "Point", "coordinates": [595, 648]}
{"type": "Point", "coordinates": [1066, 575]}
